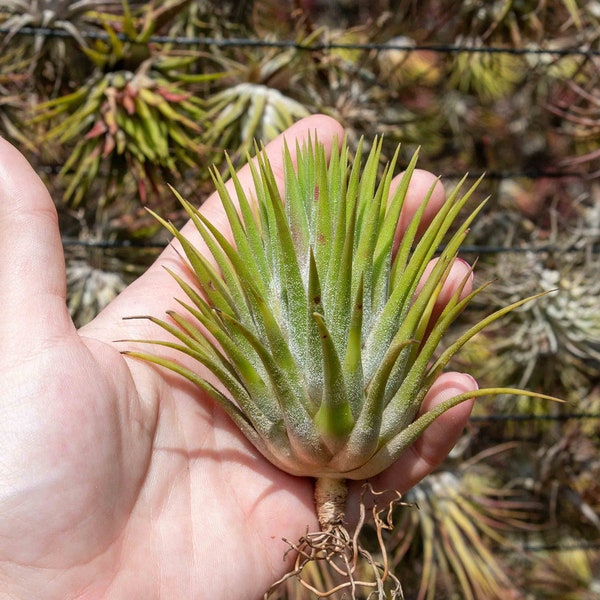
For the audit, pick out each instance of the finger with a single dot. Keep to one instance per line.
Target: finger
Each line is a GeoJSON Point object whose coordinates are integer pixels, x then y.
{"type": "Point", "coordinates": [422, 183]}
{"type": "Point", "coordinates": [459, 279]}
{"type": "Point", "coordinates": [434, 445]}
{"type": "Point", "coordinates": [32, 271]}
{"type": "Point", "coordinates": [153, 292]}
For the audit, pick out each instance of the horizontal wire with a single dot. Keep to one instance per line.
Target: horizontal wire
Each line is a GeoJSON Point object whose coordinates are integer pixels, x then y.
{"type": "Point", "coordinates": [111, 244]}
{"type": "Point", "coordinates": [518, 175]}
{"type": "Point", "coordinates": [550, 547]}
{"type": "Point", "coordinates": [558, 547]}
{"type": "Point", "coordinates": [496, 418]}
{"type": "Point", "coordinates": [290, 44]}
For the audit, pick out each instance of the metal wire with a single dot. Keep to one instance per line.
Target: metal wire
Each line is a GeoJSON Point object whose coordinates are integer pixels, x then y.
{"type": "Point", "coordinates": [523, 418]}
{"type": "Point", "coordinates": [312, 47]}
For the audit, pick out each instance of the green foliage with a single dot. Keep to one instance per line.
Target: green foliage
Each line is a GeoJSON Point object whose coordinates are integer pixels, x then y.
{"type": "Point", "coordinates": [132, 117]}
{"type": "Point", "coordinates": [133, 123]}
{"type": "Point", "coordinates": [246, 112]}
{"type": "Point", "coordinates": [252, 102]}
{"type": "Point", "coordinates": [489, 76]}
{"type": "Point", "coordinates": [324, 344]}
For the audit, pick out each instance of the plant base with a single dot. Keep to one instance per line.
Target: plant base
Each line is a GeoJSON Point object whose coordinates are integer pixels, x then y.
{"type": "Point", "coordinates": [344, 565]}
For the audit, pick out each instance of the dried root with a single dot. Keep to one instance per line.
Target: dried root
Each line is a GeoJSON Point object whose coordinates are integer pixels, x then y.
{"type": "Point", "coordinates": [345, 566]}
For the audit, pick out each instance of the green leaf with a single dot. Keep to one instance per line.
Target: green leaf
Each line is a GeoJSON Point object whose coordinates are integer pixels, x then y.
{"type": "Point", "coordinates": [241, 358]}
{"type": "Point", "coordinates": [323, 209]}
{"type": "Point", "coordinates": [366, 435]}
{"type": "Point", "coordinates": [313, 351]}
{"type": "Point", "coordinates": [382, 261]}
{"type": "Point", "coordinates": [367, 226]}
{"type": "Point", "coordinates": [408, 435]}
{"type": "Point", "coordinates": [252, 226]}
{"type": "Point", "coordinates": [296, 206]}
{"type": "Point", "coordinates": [302, 432]}
{"type": "Point", "coordinates": [292, 291]}
{"type": "Point", "coordinates": [352, 367]}
{"type": "Point", "coordinates": [334, 417]}
{"type": "Point", "coordinates": [254, 116]}
{"type": "Point", "coordinates": [207, 277]}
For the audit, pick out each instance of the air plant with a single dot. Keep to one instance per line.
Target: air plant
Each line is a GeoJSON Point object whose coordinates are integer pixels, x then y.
{"type": "Point", "coordinates": [322, 344]}
{"type": "Point", "coordinates": [552, 344]}
{"type": "Point", "coordinates": [567, 573]}
{"type": "Point", "coordinates": [133, 117]}
{"type": "Point", "coordinates": [247, 111]}
{"type": "Point", "coordinates": [37, 51]}
{"type": "Point", "coordinates": [461, 515]}
{"type": "Point", "coordinates": [133, 123]}
{"type": "Point", "coordinates": [199, 19]}
{"type": "Point", "coordinates": [253, 101]}
{"type": "Point", "coordinates": [489, 75]}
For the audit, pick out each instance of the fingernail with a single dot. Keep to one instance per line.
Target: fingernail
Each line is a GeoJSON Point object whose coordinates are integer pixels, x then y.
{"type": "Point", "coordinates": [472, 385]}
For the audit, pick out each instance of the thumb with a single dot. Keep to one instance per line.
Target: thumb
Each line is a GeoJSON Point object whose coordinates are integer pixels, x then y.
{"type": "Point", "coordinates": [32, 271]}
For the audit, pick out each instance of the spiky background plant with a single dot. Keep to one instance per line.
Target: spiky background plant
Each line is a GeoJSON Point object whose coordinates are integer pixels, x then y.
{"type": "Point", "coordinates": [48, 60]}
{"type": "Point", "coordinates": [312, 323]}
{"type": "Point", "coordinates": [553, 344]}
{"type": "Point", "coordinates": [252, 101]}
{"type": "Point", "coordinates": [134, 117]}
{"type": "Point", "coordinates": [130, 123]}
{"type": "Point", "coordinates": [568, 573]}
{"type": "Point", "coordinates": [489, 76]}
{"type": "Point", "coordinates": [465, 514]}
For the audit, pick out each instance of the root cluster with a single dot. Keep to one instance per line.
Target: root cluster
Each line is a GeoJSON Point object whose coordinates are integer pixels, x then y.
{"type": "Point", "coordinates": [333, 561]}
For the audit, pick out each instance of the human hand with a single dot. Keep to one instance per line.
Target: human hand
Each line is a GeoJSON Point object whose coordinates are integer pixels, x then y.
{"type": "Point", "coordinates": [120, 480]}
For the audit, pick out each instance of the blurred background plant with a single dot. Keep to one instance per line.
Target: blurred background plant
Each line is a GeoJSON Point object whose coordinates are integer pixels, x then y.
{"type": "Point", "coordinates": [460, 528]}
{"type": "Point", "coordinates": [252, 101]}
{"type": "Point", "coordinates": [132, 116]}
{"type": "Point", "coordinates": [49, 55]}
{"type": "Point", "coordinates": [567, 574]}
{"type": "Point", "coordinates": [113, 100]}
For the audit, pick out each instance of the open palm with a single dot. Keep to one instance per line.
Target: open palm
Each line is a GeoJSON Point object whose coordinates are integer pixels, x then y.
{"type": "Point", "coordinates": [120, 480]}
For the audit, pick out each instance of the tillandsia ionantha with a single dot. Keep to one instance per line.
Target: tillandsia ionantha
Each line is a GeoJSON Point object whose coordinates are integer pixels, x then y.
{"type": "Point", "coordinates": [320, 327]}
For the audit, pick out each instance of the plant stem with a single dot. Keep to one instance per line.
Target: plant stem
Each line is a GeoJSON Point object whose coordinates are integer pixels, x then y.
{"type": "Point", "coordinates": [330, 501]}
